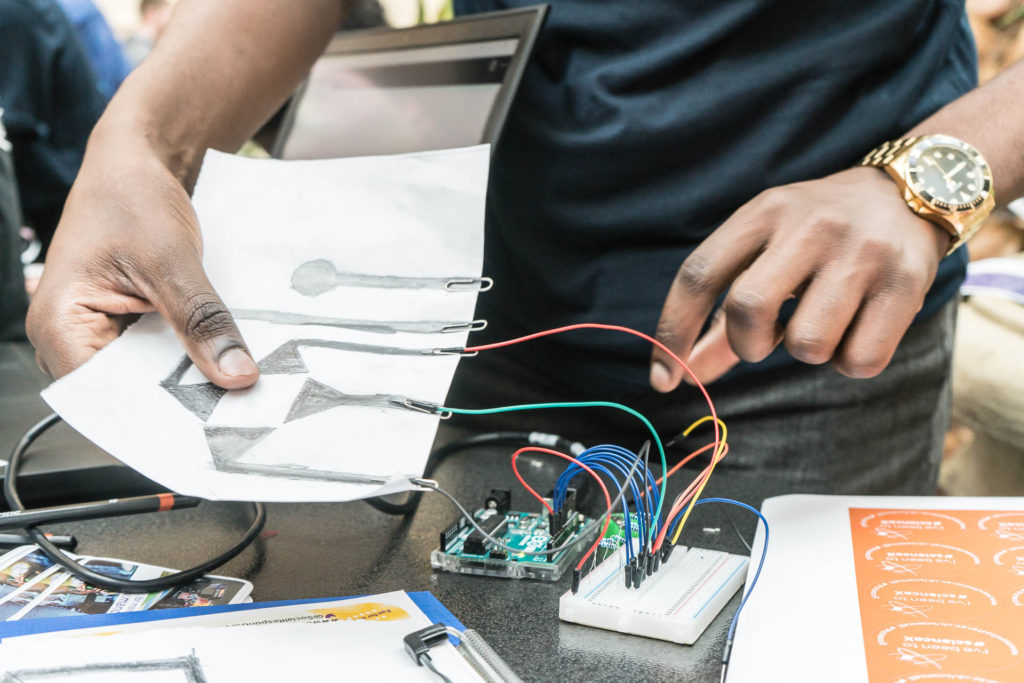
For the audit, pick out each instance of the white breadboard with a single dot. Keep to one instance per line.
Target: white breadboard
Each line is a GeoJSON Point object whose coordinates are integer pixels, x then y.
{"type": "Point", "coordinates": [675, 603]}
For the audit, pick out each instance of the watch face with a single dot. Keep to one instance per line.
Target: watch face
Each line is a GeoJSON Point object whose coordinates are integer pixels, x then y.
{"type": "Point", "coordinates": [948, 174]}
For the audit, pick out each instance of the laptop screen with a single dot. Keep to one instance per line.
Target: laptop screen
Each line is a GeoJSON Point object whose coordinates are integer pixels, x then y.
{"type": "Point", "coordinates": [434, 93]}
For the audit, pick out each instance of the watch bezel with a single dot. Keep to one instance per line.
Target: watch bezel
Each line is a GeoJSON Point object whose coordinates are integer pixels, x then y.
{"type": "Point", "coordinates": [927, 143]}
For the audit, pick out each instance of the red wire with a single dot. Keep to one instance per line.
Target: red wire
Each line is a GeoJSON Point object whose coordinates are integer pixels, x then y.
{"type": "Point", "coordinates": [607, 497]}
{"type": "Point", "coordinates": [684, 498]}
{"type": "Point", "coordinates": [526, 486]}
{"type": "Point", "coordinates": [676, 467]}
{"type": "Point", "coordinates": [680, 504]}
{"type": "Point", "coordinates": [685, 460]}
{"type": "Point", "coordinates": [673, 356]}
{"type": "Point", "coordinates": [616, 328]}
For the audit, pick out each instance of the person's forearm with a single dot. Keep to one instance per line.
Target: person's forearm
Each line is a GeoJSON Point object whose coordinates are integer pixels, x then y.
{"type": "Point", "coordinates": [991, 119]}
{"type": "Point", "coordinates": [220, 70]}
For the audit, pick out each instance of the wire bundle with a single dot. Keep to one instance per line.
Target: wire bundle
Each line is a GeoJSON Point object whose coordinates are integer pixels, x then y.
{"type": "Point", "coordinates": [680, 511]}
{"type": "Point", "coordinates": [617, 457]}
{"type": "Point", "coordinates": [647, 492]}
{"type": "Point", "coordinates": [610, 460]}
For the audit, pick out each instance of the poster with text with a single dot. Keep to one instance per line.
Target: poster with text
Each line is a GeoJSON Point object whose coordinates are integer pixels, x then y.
{"type": "Point", "coordinates": [941, 594]}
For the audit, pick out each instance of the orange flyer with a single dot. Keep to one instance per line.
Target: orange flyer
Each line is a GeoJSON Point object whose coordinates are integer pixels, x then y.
{"type": "Point", "coordinates": [941, 594]}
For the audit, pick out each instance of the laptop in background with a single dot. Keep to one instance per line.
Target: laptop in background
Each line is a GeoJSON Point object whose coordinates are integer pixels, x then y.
{"type": "Point", "coordinates": [392, 91]}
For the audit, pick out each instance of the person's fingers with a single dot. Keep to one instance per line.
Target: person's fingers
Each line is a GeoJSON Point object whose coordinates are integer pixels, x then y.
{"type": "Point", "coordinates": [878, 327]}
{"type": "Point", "coordinates": [703, 276]}
{"type": "Point", "coordinates": [712, 355]}
{"type": "Point", "coordinates": [182, 293]}
{"type": "Point", "coordinates": [60, 347]}
{"type": "Point", "coordinates": [847, 239]}
{"type": "Point", "coordinates": [755, 299]}
{"type": "Point", "coordinates": [68, 329]}
{"type": "Point", "coordinates": [827, 307]}
{"type": "Point", "coordinates": [41, 362]}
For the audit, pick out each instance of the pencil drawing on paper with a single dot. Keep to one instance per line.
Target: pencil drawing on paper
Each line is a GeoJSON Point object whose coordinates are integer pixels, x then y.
{"type": "Point", "coordinates": [188, 666]}
{"type": "Point", "coordinates": [199, 399]}
{"type": "Point", "coordinates": [353, 283]}
{"type": "Point", "coordinates": [286, 359]}
{"type": "Point", "coordinates": [202, 398]}
{"type": "Point", "coordinates": [375, 326]}
{"type": "Point", "coordinates": [285, 470]}
{"type": "Point", "coordinates": [315, 397]}
{"type": "Point", "coordinates": [229, 444]}
{"type": "Point", "coordinates": [320, 276]}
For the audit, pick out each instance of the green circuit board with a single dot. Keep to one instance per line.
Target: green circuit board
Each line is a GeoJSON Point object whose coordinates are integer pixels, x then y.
{"type": "Point", "coordinates": [464, 550]}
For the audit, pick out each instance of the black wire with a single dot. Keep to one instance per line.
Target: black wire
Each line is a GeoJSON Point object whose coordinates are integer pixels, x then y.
{"type": "Point", "coordinates": [442, 452]}
{"type": "Point", "coordinates": [57, 556]}
{"type": "Point", "coordinates": [644, 487]}
{"type": "Point", "coordinates": [725, 511]}
{"type": "Point", "coordinates": [426, 661]}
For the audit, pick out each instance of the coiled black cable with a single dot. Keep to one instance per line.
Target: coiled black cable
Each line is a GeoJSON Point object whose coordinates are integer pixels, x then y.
{"type": "Point", "coordinates": [57, 556]}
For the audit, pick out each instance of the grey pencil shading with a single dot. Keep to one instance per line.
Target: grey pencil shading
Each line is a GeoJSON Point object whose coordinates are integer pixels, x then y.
{"type": "Point", "coordinates": [315, 397]}
{"type": "Point", "coordinates": [188, 666]}
{"type": "Point", "coordinates": [202, 398]}
{"type": "Point", "coordinates": [320, 276]}
{"type": "Point", "coordinates": [296, 472]}
{"type": "Point", "coordinates": [229, 444]}
{"type": "Point", "coordinates": [198, 399]}
{"type": "Point", "coordinates": [377, 327]}
{"type": "Point", "coordinates": [286, 359]}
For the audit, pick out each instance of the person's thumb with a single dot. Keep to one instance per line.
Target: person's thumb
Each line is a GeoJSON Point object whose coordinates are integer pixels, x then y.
{"type": "Point", "coordinates": [207, 331]}
{"type": "Point", "coordinates": [712, 356]}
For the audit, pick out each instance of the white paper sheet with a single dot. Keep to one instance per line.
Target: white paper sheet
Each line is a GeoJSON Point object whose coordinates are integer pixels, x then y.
{"type": "Point", "coordinates": [343, 650]}
{"type": "Point", "coordinates": [802, 622]}
{"type": "Point", "coordinates": [336, 273]}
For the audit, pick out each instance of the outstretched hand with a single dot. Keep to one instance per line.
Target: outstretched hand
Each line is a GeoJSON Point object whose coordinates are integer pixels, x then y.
{"type": "Point", "coordinates": [129, 243]}
{"type": "Point", "coordinates": [847, 246]}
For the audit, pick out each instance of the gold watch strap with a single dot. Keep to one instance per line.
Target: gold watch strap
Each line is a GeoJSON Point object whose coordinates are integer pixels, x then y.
{"type": "Point", "coordinates": [885, 153]}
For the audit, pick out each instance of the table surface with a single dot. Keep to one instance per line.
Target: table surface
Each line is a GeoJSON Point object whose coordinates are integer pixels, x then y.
{"type": "Point", "coordinates": [337, 549]}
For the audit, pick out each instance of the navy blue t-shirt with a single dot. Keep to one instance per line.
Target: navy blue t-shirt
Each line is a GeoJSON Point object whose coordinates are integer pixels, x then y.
{"type": "Point", "coordinates": [641, 125]}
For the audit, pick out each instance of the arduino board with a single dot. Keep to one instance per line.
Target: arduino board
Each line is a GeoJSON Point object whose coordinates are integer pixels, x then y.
{"type": "Point", "coordinates": [464, 550]}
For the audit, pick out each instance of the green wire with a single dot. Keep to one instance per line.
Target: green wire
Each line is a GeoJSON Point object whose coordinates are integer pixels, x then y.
{"type": "Point", "coordinates": [582, 404]}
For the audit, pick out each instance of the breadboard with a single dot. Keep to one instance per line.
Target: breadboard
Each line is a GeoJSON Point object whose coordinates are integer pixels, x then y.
{"type": "Point", "coordinates": [676, 603]}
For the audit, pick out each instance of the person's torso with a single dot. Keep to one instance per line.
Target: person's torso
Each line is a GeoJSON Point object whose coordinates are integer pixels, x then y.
{"type": "Point", "coordinates": [641, 126]}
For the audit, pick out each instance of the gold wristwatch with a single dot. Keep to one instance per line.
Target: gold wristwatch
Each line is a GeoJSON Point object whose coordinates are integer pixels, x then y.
{"type": "Point", "coordinates": [944, 180]}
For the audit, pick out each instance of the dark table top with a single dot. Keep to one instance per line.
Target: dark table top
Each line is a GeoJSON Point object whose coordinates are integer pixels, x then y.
{"type": "Point", "coordinates": [324, 550]}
